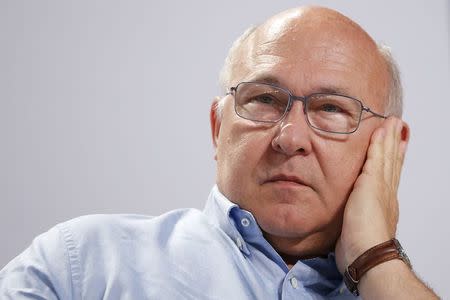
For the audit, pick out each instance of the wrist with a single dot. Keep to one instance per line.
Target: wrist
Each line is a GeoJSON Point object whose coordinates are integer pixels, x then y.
{"type": "Point", "coordinates": [371, 258]}
{"type": "Point", "coordinates": [354, 251]}
{"type": "Point", "coordinates": [374, 275]}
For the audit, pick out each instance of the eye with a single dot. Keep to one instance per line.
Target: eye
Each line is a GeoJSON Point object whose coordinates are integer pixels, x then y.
{"type": "Point", "coordinates": [264, 99]}
{"type": "Point", "coordinates": [330, 107]}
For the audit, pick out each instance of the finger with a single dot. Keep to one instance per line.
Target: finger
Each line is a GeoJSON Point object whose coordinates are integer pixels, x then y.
{"type": "Point", "coordinates": [392, 141]}
{"type": "Point", "coordinates": [403, 143]}
{"type": "Point", "coordinates": [399, 154]}
{"type": "Point", "coordinates": [374, 164]}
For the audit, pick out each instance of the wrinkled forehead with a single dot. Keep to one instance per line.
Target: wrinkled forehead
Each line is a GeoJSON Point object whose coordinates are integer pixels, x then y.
{"type": "Point", "coordinates": [294, 32]}
{"type": "Point", "coordinates": [310, 42]}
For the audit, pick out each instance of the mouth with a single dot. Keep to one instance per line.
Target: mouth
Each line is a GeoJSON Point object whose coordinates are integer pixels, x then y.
{"type": "Point", "coordinates": [286, 180]}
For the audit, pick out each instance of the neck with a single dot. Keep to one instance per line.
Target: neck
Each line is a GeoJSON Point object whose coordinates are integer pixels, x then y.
{"type": "Point", "coordinates": [291, 260]}
{"type": "Point", "coordinates": [292, 250]}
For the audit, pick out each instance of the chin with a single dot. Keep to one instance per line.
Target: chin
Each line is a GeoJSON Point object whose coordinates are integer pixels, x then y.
{"type": "Point", "coordinates": [302, 243]}
{"type": "Point", "coordinates": [287, 222]}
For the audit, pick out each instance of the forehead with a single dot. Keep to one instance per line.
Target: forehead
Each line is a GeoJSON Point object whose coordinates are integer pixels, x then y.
{"type": "Point", "coordinates": [309, 53]}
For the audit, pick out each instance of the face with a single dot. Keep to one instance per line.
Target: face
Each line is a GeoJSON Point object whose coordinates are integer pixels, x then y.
{"type": "Point", "coordinates": [294, 179]}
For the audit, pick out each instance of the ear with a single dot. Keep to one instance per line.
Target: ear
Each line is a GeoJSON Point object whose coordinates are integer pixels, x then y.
{"type": "Point", "coordinates": [405, 133]}
{"type": "Point", "coordinates": [215, 121]}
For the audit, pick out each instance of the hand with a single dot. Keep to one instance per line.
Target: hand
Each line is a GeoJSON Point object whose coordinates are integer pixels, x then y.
{"type": "Point", "coordinates": [371, 212]}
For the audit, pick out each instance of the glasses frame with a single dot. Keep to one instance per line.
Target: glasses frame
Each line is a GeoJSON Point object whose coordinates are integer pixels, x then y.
{"type": "Point", "coordinates": [304, 100]}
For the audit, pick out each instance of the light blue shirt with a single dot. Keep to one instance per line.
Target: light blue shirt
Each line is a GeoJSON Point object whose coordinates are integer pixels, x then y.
{"type": "Point", "coordinates": [217, 253]}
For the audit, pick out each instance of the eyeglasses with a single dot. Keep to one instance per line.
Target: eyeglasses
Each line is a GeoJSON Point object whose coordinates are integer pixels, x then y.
{"type": "Point", "coordinates": [268, 103]}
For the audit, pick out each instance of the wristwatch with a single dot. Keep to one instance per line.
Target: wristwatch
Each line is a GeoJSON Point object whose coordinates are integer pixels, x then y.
{"type": "Point", "coordinates": [374, 256]}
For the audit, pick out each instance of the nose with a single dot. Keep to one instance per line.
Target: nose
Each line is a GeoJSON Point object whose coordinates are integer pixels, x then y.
{"type": "Point", "coordinates": [294, 134]}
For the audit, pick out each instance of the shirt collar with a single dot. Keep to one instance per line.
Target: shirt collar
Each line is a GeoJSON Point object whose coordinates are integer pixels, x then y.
{"type": "Point", "coordinates": [241, 226]}
{"type": "Point", "coordinates": [218, 211]}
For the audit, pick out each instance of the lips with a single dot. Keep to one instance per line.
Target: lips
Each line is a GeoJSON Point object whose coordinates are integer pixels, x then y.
{"type": "Point", "coordinates": [285, 178]}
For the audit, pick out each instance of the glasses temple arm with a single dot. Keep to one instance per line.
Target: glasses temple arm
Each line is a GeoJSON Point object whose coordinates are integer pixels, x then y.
{"type": "Point", "coordinates": [373, 113]}
{"type": "Point", "coordinates": [231, 90]}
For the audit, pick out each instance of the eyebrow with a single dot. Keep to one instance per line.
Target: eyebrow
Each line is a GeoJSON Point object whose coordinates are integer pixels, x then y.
{"type": "Point", "coordinates": [265, 79]}
{"type": "Point", "coordinates": [331, 89]}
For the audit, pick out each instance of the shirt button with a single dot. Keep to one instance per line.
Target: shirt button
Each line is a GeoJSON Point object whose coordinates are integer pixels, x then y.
{"type": "Point", "coordinates": [245, 222]}
{"type": "Point", "coordinates": [239, 243]}
{"type": "Point", "coordinates": [294, 282]}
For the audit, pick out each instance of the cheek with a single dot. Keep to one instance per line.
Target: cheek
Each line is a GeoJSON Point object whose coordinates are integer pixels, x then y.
{"type": "Point", "coordinates": [242, 140]}
{"type": "Point", "coordinates": [231, 157]}
{"type": "Point", "coordinates": [230, 147]}
{"type": "Point", "coordinates": [341, 164]}
{"type": "Point", "coordinates": [240, 148]}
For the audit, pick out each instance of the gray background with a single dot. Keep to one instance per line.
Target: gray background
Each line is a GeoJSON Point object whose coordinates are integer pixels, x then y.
{"type": "Point", "coordinates": [104, 109]}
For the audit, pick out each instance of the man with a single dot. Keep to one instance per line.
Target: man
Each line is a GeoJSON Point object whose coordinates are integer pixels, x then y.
{"type": "Point", "coordinates": [308, 168]}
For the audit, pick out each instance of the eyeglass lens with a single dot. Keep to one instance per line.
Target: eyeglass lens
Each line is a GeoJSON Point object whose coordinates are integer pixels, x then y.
{"type": "Point", "coordinates": [267, 103]}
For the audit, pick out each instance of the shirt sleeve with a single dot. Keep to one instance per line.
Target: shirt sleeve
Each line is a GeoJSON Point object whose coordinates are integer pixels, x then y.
{"type": "Point", "coordinates": [45, 270]}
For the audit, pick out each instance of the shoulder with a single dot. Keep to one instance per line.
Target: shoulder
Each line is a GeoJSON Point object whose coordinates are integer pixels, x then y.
{"type": "Point", "coordinates": [58, 261]}
{"type": "Point", "coordinates": [104, 232]}
{"type": "Point", "coordinates": [118, 225]}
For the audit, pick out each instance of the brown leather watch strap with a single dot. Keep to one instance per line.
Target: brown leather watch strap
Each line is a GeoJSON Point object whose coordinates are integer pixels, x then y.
{"type": "Point", "coordinates": [374, 256]}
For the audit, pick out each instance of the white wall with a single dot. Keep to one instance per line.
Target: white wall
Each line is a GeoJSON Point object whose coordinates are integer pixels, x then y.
{"type": "Point", "coordinates": [104, 108]}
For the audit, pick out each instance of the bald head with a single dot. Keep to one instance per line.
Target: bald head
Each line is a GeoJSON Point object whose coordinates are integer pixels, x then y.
{"type": "Point", "coordinates": [308, 36]}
